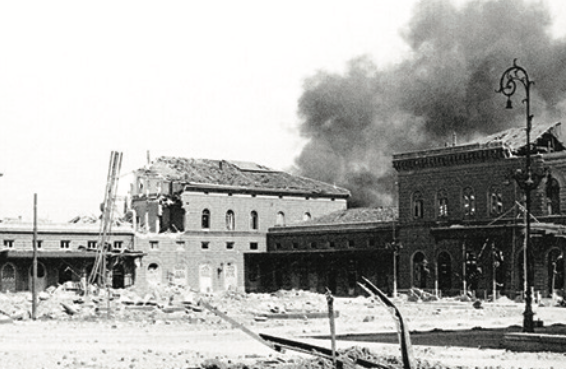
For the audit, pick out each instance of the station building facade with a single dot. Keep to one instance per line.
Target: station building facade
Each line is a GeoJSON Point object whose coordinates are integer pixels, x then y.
{"type": "Point", "coordinates": [462, 214]}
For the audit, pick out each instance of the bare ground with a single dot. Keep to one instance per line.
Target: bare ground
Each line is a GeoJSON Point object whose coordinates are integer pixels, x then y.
{"type": "Point", "coordinates": [151, 338]}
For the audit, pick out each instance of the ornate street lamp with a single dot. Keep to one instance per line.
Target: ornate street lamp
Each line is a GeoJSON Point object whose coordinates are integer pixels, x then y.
{"type": "Point", "coordinates": [526, 179]}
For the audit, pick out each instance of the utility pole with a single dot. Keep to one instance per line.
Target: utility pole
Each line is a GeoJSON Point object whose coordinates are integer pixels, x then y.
{"type": "Point", "coordinates": [34, 262]}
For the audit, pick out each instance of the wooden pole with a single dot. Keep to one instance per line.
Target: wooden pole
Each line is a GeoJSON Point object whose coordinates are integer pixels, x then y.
{"type": "Point", "coordinates": [330, 300]}
{"type": "Point", "coordinates": [34, 262]}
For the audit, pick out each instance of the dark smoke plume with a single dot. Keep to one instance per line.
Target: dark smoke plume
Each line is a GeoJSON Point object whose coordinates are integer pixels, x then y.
{"type": "Point", "coordinates": [355, 121]}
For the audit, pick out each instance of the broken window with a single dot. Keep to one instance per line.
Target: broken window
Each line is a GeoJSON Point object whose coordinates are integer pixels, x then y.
{"type": "Point", "coordinates": [205, 220]}
{"type": "Point", "coordinates": [442, 203]}
{"type": "Point", "coordinates": [230, 220]}
{"type": "Point", "coordinates": [229, 245]}
{"type": "Point", "coordinates": [153, 273]}
{"type": "Point", "coordinates": [417, 205]}
{"type": "Point", "coordinates": [306, 216]}
{"type": "Point", "coordinates": [553, 196]}
{"type": "Point", "coordinates": [204, 245]}
{"type": "Point", "coordinates": [254, 221]}
{"type": "Point", "coordinates": [180, 245]}
{"type": "Point", "coordinates": [495, 201]}
{"type": "Point", "coordinates": [469, 202]}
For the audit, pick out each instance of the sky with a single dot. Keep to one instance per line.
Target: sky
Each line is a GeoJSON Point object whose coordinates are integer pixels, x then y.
{"type": "Point", "coordinates": [198, 79]}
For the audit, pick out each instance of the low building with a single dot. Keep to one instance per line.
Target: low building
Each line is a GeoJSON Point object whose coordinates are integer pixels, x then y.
{"type": "Point", "coordinates": [331, 252]}
{"type": "Point", "coordinates": [65, 252]}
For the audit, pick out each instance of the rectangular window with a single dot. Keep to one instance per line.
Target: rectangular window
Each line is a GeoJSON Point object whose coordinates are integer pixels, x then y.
{"type": "Point", "coordinates": [118, 244]}
{"type": "Point", "coordinates": [331, 244]}
{"type": "Point", "coordinates": [313, 245]}
{"type": "Point", "coordinates": [351, 243]}
{"type": "Point", "coordinates": [295, 245]}
{"type": "Point", "coordinates": [229, 245]}
{"type": "Point", "coordinates": [91, 245]}
{"type": "Point", "coordinates": [154, 245]}
{"type": "Point", "coordinates": [371, 242]}
{"type": "Point", "coordinates": [253, 246]}
{"type": "Point", "coordinates": [204, 245]}
{"type": "Point", "coordinates": [278, 246]}
{"type": "Point", "coordinates": [180, 245]}
{"type": "Point", "coordinates": [65, 244]}
{"type": "Point", "coordinates": [9, 244]}
{"type": "Point", "coordinates": [39, 243]}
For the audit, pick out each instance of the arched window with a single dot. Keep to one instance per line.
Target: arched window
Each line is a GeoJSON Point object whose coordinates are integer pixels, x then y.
{"type": "Point", "coordinates": [280, 219]}
{"type": "Point", "coordinates": [469, 202]}
{"type": "Point", "coordinates": [254, 220]}
{"type": "Point", "coordinates": [205, 219]}
{"type": "Point", "coordinates": [417, 205]}
{"type": "Point", "coordinates": [495, 201]}
{"type": "Point", "coordinates": [442, 203]}
{"type": "Point", "coordinates": [306, 216]}
{"type": "Point", "coordinates": [230, 220]}
{"type": "Point", "coordinates": [553, 196]}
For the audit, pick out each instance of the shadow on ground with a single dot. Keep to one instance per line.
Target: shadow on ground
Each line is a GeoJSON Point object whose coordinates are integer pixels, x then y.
{"type": "Point", "coordinates": [475, 337]}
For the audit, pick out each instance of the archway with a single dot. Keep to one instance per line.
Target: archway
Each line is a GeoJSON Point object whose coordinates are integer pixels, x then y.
{"type": "Point", "coordinates": [420, 270]}
{"type": "Point", "coordinates": [555, 267]}
{"type": "Point", "coordinates": [8, 277]}
{"type": "Point", "coordinates": [153, 274]}
{"type": "Point", "coordinates": [230, 277]}
{"type": "Point", "coordinates": [444, 263]}
{"type": "Point", "coordinates": [118, 274]}
{"type": "Point", "coordinates": [65, 274]}
{"type": "Point", "coordinates": [41, 277]}
{"type": "Point", "coordinates": [205, 278]}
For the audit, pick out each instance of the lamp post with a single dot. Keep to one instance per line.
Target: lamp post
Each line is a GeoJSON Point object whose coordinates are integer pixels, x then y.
{"type": "Point", "coordinates": [526, 179]}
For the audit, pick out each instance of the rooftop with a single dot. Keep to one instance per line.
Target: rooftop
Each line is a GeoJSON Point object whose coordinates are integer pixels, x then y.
{"type": "Point", "coordinates": [355, 216]}
{"type": "Point", "coordinates": [544, 138]}
{"type": "Point", "coordinates": [237, 175]}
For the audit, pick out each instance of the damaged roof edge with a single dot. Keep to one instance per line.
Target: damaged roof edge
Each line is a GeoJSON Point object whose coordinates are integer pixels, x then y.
{"type": "Point", "coordinates": [340, 193]}
{"type": "Point", "coordinates": [510, 141]}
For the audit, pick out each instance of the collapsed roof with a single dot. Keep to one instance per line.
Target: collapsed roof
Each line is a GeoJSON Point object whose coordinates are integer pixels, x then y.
{"type": "Point", "coordinates": [543, 138]}
{"type": "Point", "coordinates": [236, 174]}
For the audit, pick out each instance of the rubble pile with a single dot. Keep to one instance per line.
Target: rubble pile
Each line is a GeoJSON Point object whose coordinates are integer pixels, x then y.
{"type": "Point", "coordinates": [162, 302]}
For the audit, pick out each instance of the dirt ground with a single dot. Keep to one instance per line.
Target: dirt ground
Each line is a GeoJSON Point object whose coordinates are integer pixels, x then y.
{"type": "Point", "coordinates": [154, 335]}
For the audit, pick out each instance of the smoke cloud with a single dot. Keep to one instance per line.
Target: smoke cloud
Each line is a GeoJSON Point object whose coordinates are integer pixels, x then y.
{"type": "Point", "coordinates": [355, 121]}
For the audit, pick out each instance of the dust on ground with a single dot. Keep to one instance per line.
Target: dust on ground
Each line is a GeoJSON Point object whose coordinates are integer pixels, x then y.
{"type": "Point", "coordinates": [167, 328]}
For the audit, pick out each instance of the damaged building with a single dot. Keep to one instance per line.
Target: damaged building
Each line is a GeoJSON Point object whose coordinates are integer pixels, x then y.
{"type": "Point", "coordinates": [66, 254]}
{"type": "Point", "coordinates": [196, 219]}
{"type": "Point", "coordinates": [331, 251]}
{"type": "Point", "coordinates": [462, 214]}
